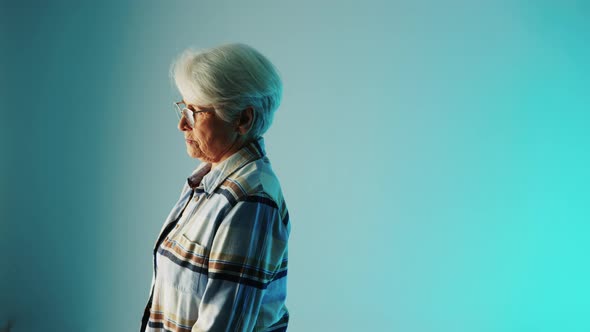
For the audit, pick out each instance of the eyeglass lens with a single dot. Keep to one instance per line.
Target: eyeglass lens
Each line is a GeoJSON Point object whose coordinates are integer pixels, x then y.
{"type": "Point", "coordinates": [181, 110]}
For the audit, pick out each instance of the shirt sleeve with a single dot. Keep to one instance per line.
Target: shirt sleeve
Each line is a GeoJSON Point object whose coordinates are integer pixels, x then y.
{"type": "Point", "coordinates": [248, 252]}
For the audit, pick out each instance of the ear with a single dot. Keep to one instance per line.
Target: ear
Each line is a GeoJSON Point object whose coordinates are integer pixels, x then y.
{"type": "Point", "coordinates": [245, 121]}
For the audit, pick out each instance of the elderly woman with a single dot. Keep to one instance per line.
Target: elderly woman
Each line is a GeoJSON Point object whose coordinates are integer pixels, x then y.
{"type": "Point", "coordinates": [220, 261]}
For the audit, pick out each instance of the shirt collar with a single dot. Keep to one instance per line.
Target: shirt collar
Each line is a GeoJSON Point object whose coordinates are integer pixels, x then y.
{"type": "Point", "coordinates": [212, 178]}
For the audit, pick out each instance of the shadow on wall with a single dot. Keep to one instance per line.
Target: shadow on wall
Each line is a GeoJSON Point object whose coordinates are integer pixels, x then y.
{"type": "Point", "coordinates": [7, 326]}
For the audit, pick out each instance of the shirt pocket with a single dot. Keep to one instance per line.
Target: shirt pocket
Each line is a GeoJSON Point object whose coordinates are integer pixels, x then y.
{"type": "Point", "coordinates": [192, 259]}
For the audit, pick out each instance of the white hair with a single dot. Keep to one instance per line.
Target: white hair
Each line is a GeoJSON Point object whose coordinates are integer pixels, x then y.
{"type": "Point", "coordinates": [230, 78]}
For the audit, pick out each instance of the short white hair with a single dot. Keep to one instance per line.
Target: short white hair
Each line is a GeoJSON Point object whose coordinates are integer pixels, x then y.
{"type": "Point", "coordinates": [230, 78]}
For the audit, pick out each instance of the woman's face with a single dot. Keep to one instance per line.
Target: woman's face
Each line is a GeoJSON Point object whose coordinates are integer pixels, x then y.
{"type": "Point", "coordinates": [212, 139]}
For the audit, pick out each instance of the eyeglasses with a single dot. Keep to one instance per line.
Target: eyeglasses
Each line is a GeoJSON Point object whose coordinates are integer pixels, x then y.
{"type": "Point", "coordinates": [182, 109]}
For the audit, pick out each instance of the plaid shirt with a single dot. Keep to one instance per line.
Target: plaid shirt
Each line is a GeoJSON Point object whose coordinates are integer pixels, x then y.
{"type": "Point", "coordinates": [220, 261]}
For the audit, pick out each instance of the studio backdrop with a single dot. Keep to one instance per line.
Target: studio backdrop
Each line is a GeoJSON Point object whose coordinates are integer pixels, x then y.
{"type": "Point", "coordinates": [433, 156]}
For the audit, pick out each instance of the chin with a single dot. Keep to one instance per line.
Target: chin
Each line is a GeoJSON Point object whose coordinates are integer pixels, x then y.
{"type": "Point", "coordinates": [193, 153]}
{"type": "Point", "coordinates": [197, 154]}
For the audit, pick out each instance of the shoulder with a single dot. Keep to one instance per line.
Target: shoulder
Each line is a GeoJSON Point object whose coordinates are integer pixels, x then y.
{"type": "Point", "coordinates": [255, 182]}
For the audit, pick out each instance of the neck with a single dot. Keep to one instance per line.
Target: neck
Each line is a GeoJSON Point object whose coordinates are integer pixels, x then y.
{"type": "Point", "coordinates": [235, 147]}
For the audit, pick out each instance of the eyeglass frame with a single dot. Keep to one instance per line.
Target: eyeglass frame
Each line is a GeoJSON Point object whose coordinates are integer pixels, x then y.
{"type": "Point", "coordinates": [188, 113]}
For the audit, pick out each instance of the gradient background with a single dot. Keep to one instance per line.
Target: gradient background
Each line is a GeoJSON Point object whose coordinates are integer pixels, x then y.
{"type": "Point", "coordinates": [434, 156]}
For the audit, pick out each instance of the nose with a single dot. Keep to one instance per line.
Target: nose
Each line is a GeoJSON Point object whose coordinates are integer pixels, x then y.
{"type": "Point", "coordinates": [183, 124]}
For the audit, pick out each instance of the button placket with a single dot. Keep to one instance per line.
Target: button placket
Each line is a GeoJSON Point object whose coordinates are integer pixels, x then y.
{"type": "Point", "coordinates": [196, 204]}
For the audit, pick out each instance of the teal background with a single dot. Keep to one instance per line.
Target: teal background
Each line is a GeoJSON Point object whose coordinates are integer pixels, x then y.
{"type": "Point", "coordinates": [434, 158]}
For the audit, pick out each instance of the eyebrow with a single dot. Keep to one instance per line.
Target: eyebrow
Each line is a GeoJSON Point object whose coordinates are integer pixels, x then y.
{"type": "Point", "coordinates": [189, 106]}
{"type": "Point", "coordinates": [195, 107]}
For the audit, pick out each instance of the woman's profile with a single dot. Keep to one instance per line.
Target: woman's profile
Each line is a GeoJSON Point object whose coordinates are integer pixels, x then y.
{"type": "Point", "coordinates": [220, 260]}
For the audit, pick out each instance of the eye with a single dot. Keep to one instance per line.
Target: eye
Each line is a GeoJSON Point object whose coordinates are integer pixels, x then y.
{"type": "Point", "coordinates": [201, 115]}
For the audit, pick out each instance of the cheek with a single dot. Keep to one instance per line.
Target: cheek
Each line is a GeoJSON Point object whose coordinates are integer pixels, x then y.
{"type": "Point", "coordinates": [205, 141]}
{"type": "Point", "coordinates": [199, 135]}
{"type": "Point", "coordinates": [213, 135]}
